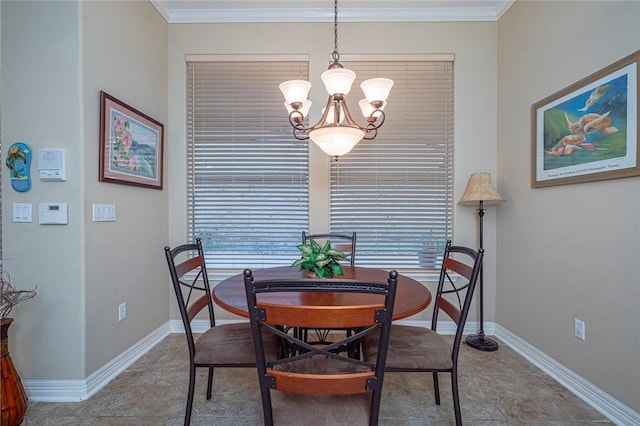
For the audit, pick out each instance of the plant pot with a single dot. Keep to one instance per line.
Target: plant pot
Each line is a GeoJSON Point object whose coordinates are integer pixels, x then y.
{"type": "Point", "coordinates": [14, 399]}
{"type": "Point", "coordinates": [428, 258]}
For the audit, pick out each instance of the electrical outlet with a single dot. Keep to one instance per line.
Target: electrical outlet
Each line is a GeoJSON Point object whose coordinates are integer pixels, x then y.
{"type": "Point", "coordinates": [579, 329]}
{"type": "Point", "coordinates": [122, 311]}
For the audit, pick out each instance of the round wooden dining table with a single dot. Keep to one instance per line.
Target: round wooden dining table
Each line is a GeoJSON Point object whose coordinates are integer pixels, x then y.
{"type": "Point", "coordinates": [411, 296]}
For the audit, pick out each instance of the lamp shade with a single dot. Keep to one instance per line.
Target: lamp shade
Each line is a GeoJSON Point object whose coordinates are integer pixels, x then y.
{"type": "Point", "coordinates": [332, 115]}
{"type": "Point", "coordinates": [367, 109]}
{"type": "Point", "coordinates": [376, 89]}
{"type": "Point", "coordinates": [304, 110]}
{"type": "Point", "coordinates": [336, 140]}
{"type": "Point", "coordinates": [480, 188]}
{"type": "Point", "coordinates": [295, 90]}
{"type": "Point", "coordinates": [338, 80]}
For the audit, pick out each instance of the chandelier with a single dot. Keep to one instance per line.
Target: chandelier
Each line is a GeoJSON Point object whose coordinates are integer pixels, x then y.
{"type": "Point", "coordinates": [336, 133]}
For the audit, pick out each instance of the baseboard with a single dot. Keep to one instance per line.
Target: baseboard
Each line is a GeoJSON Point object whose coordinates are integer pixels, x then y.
{"type": "Point", "coordinates": [199, 326]}
{"type": "Point", "coordinates": [79, 390]}
{"type": "Point", "coordinates": [607, 405]}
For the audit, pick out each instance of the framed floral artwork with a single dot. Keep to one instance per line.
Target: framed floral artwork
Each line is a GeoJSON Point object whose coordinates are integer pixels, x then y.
{"type": "Point", "coordinates": [131, 145]}
{"type": "Point", "coordinates": [589, 130]}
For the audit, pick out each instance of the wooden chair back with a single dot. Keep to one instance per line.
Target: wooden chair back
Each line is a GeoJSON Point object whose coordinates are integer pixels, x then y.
{"type": "Point", "coordinates": [320, 369]}
{"type": "Point", "coordinates": [458, 277]}
{"type": "Point", "coordinates": [346, 243]}
{"type": "Point", "coordinates": [188, 272]}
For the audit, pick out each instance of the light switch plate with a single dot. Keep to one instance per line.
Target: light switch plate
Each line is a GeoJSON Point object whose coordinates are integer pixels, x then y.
{"type": "Point", "coordinates": [104, 212]}
{"type": "Point", "coordinates": [22, 212]}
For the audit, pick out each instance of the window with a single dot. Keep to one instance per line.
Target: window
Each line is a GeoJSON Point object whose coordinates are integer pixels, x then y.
{"type": "Point", "coordinates": [396, 190]}
{"type": "Point", "coordinates": [247, 175]}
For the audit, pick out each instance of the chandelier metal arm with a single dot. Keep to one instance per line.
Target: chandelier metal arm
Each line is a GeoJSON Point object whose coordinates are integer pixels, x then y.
{"type": "Point", "coordinates": [374, 120]}
{"type": "Point", "coordinates": [300, 131]}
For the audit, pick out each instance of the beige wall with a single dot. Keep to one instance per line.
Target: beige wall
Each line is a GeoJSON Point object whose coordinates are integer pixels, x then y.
{"type": "Point", "coordinates": [56, 57]}
{"type": "Point", "coordinates": [474, 47]}
{"type": "Point", "coordinates": [40, 106]}
{"type": "Point", "coordinates": [125, 261]}
{"type": "Point", "coordinates": [568, 251]}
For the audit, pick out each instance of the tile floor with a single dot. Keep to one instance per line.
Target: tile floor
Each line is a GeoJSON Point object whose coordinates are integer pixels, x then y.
{"type": "Point", "coordinates": [497, 388]}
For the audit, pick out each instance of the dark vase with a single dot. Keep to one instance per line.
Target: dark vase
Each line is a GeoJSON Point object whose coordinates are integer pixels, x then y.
{"type": "Point", "coordinates": [14, 399]}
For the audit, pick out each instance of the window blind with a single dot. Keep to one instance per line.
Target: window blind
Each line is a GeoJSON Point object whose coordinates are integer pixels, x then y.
{"type": "Point", "coordinates": [396, 190]}
{"type": "Point", "coordinates": [247, 175]}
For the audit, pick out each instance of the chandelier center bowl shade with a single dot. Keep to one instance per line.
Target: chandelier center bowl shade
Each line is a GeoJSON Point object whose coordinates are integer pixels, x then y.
{"type": "Point", "coordinates": [336, 132]}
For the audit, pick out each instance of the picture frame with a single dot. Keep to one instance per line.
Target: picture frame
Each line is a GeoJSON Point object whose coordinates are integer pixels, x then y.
{"type": "Point", "coordinates": [131, 145]}
{"type": "Point", "coordinates": [589, 130]}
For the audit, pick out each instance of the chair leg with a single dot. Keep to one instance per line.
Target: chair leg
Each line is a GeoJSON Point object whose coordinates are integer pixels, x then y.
{"type": "Point", "coordinates": [267, 410]}
{"type": "Point", "coordinates": [209, 383]}
{"type": "Point", "coordinates": [374, 412]}
{"type": "Point", "coordinates": [354, 349]}
{"type": "Point", "coordinates": [192, 386]}
{"type": "Point", "coordinates": [436, 387]}
{"type": "Point", "coordinates": [456, 398]}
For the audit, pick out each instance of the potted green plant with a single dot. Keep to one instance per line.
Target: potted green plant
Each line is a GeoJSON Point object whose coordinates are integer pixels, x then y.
{"type": "Point", "coordinates": [320, 260]}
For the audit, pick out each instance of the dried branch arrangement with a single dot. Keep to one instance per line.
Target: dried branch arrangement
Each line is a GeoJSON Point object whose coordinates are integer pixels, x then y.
{"type": "Point", "coordinates": [10, 297]}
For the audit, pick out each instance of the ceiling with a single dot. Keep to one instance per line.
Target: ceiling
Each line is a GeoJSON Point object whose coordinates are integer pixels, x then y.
{"type": "Point", "coordinates": [207, 11]}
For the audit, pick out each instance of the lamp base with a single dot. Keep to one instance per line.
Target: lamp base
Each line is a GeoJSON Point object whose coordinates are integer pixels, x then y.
{"type": "Point", "coordinates": [482, 343]}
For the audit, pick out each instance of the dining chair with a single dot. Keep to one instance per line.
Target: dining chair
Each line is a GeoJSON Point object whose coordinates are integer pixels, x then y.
{"type": "Point", "coordinates": [419, 349]}
{"type": "Point", "coordinates": [317, 384]}
{"type": "Point", "coordinates": [219, 345]}
{"type": "Point", "coordinates": [346, 243]}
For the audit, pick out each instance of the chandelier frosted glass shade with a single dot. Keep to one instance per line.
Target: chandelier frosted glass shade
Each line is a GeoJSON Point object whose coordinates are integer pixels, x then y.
{"type": "Point", "coordinates": [376, 89]}
{"type": "Point", "coordinates": [331, 115]}
{"type": "Point", "coordinates": [304, 109]}
{"type": "Point", "coordinates": [368, 109]}
{"type": "Point", "coordinates": [295, 91]}
{"type": "Point", "coordinates": [336, 140]}
{"type": "Point", "coordinates": [338, 80]}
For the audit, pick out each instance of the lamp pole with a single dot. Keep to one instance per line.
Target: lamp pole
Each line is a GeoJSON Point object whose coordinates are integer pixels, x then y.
{"type": "Point", "coordinates": [480, 341]}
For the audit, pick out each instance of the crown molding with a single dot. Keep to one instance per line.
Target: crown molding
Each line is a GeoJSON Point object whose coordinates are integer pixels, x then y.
{"type": "Point", "coordinates": [216, 11]}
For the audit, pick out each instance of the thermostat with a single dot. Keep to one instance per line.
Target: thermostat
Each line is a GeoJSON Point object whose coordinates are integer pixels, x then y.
{"type": "Point", "coordinates": [52, 165]}
{"type": "Point", "coordinates": [53, 213]}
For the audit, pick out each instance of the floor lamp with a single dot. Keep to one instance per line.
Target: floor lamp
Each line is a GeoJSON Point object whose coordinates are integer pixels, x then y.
{"type": "Point", "coordinates": [480, 191]}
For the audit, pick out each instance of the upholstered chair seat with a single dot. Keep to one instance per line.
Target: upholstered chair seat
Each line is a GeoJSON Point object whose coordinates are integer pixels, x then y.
{"type": "Point", "coordinates": [413, 348]}
{"type": "Point", "coordinates": [230, 344]}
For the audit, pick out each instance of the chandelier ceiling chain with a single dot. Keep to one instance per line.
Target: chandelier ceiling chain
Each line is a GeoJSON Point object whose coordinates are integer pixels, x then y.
{"type": "Point", "coordinates": [336, 133]}
{"type": "Point", "coordinates": [335, 55]}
